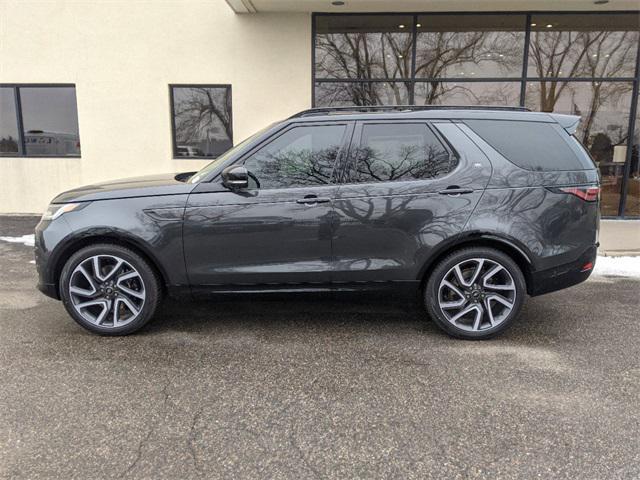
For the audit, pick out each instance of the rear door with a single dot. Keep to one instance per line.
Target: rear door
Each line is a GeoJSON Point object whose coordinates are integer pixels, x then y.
{"type": "Point", "coordinates": [278, 231]}
{"type": "Point", "coordinates": [406, 187]}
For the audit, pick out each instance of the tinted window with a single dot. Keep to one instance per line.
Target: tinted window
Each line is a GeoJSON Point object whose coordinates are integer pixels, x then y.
{"type": "Point", "coordinates": [407, 151]}
{"type": "Point", "coordinates": [8, 123]}
{"type": "Point", "coordinates": [201, 120]}
{"type": "Point", "coordinates": [299, 157]}
{"type": "Point", "coordinates": [50, 119]}
{"type": "Point", "coordinates": [530, 145]}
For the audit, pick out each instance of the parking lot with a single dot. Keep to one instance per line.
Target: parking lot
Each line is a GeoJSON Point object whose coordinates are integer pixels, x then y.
{"type": "Point", "coordinates": [316, 387]}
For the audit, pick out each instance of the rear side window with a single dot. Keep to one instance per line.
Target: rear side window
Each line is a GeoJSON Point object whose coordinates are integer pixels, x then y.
{"type": "Point", "coordinates": [530, 145]}
{"type": "Point", "coordinates": [400, 151]}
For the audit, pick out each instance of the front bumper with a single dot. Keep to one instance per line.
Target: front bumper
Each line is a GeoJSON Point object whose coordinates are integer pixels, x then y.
{"type": "Point", "coordinates": [563, 276]}
{"type": "Point", "coordinates": [49, 236]}
{"type": "Point", "coordinates": [49, 289]}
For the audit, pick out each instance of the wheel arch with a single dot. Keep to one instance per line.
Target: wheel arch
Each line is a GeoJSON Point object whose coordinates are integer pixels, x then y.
{"type": "Point", "coordinates": [510, 247]}
{"type": "Point", "coordinates": [121, 239]}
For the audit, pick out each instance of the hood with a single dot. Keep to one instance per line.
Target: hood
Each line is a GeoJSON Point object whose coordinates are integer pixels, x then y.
{"type": "Point", "coordinates": [151, 185]}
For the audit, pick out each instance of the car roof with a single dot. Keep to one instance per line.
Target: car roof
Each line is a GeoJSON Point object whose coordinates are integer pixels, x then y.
{"type": "Point", "coordinates": [407, 112]}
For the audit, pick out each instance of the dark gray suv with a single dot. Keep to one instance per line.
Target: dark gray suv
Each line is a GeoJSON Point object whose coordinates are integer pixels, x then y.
{"type": "Point", "coordinates": [474, 208]}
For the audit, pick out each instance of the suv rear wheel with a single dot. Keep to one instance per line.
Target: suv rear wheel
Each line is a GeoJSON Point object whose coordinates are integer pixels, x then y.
{"type": "Point", "coordinates": [475, 293]}
{"type": "Point", "coordinates": [109, 289]}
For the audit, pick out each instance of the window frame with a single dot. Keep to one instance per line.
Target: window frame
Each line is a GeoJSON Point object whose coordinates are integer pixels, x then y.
{"type": "Point", "coordinates": [342, 153]}
{"type": "Point", "coordinates": [22, 151]}
{"type": "Point", "coordinates": [174, 141]}
{"type": "Point", "coordinates": [356, 141]}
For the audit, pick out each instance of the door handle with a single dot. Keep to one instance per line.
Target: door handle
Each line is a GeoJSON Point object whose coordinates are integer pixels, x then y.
{"type": "Point", "coordinates": [454, 190]}
{"type": "Point", "coordinates": [312, 200]}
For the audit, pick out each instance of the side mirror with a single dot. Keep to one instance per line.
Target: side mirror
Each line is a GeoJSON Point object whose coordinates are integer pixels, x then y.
{"type": "Point", "coordinates": [235, 177]}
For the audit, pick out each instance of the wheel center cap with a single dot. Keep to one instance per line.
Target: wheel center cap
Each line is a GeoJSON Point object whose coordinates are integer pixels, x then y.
{"type": "Point", "coordinates": [109, 290]}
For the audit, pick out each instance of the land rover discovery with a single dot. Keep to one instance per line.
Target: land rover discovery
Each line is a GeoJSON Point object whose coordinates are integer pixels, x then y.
{"type": "Point", "coordinates": [474, 208]}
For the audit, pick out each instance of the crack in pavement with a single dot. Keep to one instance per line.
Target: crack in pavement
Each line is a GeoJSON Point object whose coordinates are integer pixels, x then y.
{"type": "Point", "coordinates": [152, 429]}
{"type": "Point", "coordinates": [191, 438]}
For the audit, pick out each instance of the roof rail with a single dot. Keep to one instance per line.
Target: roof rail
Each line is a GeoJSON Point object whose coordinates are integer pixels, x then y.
{"type": "Point", "coordinates": [400, 108]}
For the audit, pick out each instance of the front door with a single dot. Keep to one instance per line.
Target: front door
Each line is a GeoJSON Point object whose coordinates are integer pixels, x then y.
{"type": "Point", "coordinates": [279, 230]}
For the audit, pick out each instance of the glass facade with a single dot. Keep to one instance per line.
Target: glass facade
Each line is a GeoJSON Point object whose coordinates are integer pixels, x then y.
{"type": "Point", "coordinates": [578, 63]}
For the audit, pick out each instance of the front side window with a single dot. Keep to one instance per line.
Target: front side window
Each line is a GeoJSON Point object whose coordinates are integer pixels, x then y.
{"type": "Point", "coordinates": [302, 156]}
{"type": "Point", "coordinates": [202, 122]}
{"type": "Point", "coordinates": [49, 126]}
{"type": "Point", "coordinates": [396, 152]}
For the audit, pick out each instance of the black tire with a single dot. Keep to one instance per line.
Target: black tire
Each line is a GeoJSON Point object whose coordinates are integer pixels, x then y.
{"type": "Point", "coordinates": [443, 268]}
{"type": "Point", "coordinates": [151, 287]}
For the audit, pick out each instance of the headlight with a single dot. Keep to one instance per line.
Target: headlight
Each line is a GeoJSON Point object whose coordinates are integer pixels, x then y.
{"type": "Point", "coordinates": [55, 211]}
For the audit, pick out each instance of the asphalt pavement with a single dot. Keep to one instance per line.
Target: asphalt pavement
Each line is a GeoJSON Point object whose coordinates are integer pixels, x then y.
{"type": "Point", "coordinates": [317, 387]}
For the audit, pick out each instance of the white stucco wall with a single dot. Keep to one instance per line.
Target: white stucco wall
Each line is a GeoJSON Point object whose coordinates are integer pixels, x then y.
{"type": "Point", "coordinates": [122, 55]}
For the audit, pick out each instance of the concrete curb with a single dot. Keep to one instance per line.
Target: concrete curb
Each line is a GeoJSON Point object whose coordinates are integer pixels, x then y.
{"type": "Point", "coordinates": [619, 253]}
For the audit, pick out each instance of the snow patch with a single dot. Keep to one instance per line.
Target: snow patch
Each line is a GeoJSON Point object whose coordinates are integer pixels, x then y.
{"type": "Point", "coordinates": [617, 267]}
{"type": "Point", "coordinates": [28, 240]}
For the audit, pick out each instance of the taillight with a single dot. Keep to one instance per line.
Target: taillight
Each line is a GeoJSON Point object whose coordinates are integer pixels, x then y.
{"type": "Point", "coordinates": [587, 266]}
{"type": "Point", "coordinates": [588, 194]}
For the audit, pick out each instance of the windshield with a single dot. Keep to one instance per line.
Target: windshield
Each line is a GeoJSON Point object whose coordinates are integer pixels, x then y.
{"type": "Point", "coordinates": [224, 157]}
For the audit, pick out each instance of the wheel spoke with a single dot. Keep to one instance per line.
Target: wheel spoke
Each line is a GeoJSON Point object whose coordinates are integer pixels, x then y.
{"type": "Point", "coordinates": [131, 292]}
{"type": "Point", "coordinates": [459, 276]}
{"type": "Point", "coordinates": [103, 302]}
{"type": "Point", "coordinates": [129, 304]}
{"type": "Point", "coordinates": [95, 262]}
{"type": "Point", "coordinates": [455, 289]}
{"type": "Point", "coordinates": [477, 271]}
{"type": "Point", "coordinates": [487, 307]}
{"type": "Point", "coordinates": [88, 277]}
{"type": "Point", "coordinates": [126, 276]}
{"type": "Point", "coordinates": [114, 270]}
{"type": "Point", "coordinates": [462, 313]}
{"type": "Point", "coordinates": [104, 313]}
{"type": "Point", "coordinates": [501, 299]}
{"type": "Point", "coordinates": [450, 305]}
{"type": "Point", "coordinates": [479, 314]}
{"type": "Point", "coordinates": [83, 292]}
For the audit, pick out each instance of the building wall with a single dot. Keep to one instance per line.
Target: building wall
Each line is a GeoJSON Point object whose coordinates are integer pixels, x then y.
{"type": "Point", "coordinates": [122, 55]}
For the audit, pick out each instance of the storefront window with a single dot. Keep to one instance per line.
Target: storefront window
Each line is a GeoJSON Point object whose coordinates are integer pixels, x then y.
{"type": "Point", "coordinates": [583, 45]}
{"type": "Point", "coordinates": [632, 208]}
{"type": "Point", "coordinates": [336, 94]}
{"type": "Point", "coordinates": [467, 93]}
{"type": "Point", "coordinates": [363, 46]}
{"type": "Point", "coordinates": [470, 46]}
{"type": "Point", "coordinates": [576, 63]}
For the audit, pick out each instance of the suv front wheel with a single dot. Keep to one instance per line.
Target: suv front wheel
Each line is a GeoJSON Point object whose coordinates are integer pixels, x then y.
{"type": "Point", "coordinates": [109, 289]}
{"type": "Point", "coordinates": [475, 293]}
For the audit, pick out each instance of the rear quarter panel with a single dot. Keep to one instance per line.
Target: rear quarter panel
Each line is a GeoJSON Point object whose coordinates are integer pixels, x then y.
{"type": "Point", "coordinates": [553, 228]}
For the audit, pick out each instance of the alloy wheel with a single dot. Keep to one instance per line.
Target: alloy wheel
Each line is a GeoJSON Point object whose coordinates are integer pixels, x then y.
{"type": "Point", "coordinates": [106, 290]}
{"type": "Point", "coordinates": [477, 294]}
